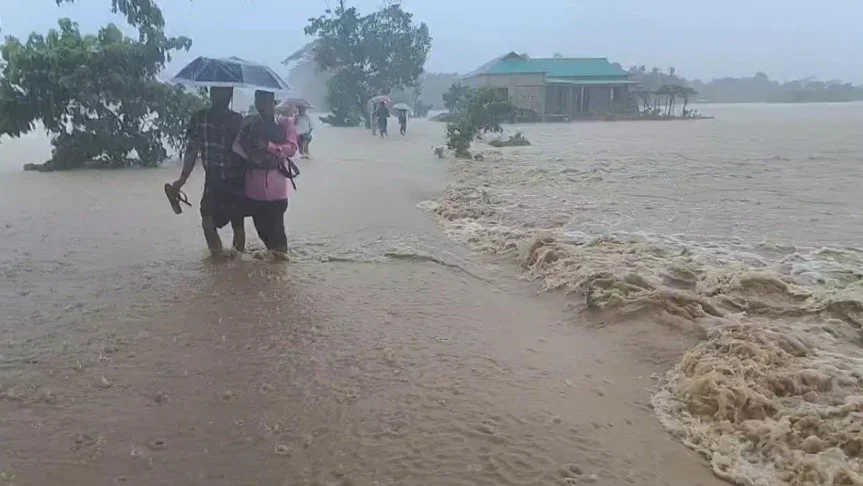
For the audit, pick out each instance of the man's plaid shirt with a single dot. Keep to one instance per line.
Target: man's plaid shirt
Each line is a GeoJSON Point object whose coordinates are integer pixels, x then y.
{"type": "Point", "coordinates": [214, 133]}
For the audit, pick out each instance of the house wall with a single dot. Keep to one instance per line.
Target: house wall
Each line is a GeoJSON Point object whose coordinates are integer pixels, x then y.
{"type": "Point", "coordinates": [528, 98]}
{"type": "Point", "coordinates": [600, 99]}
{"type": "Point", "coordinates": [526, 91]}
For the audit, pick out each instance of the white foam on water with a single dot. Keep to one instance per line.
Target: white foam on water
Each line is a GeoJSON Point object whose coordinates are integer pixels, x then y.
{"type": "Point", "coordinates": [774, 393]}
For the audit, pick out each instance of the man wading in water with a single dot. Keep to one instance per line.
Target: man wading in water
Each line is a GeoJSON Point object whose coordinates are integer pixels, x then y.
{"type": "Point", "coordinates": [212, 132]}
{"type": "Point", "coordinates": [382, 114]}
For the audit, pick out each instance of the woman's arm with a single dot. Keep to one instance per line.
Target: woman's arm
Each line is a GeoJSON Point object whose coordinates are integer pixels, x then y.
{"type": "Point", "coordinates": [289, 149]}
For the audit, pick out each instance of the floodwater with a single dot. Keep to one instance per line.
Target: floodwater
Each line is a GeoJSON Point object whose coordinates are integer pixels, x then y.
{"type": "Point", "coordinates": [411, 339]}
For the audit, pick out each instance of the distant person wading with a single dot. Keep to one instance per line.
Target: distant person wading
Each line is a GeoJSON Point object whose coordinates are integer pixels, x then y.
{"type": "Point", "coordinates": [403, 122]}
{"type": "Point", "coordinates": [303, 122]}
{"type": "Point", "coordinates": [382, 114]}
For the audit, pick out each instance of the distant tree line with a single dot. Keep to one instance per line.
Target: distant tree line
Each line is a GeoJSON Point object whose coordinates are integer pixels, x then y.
{"type": "Point", "coordinates": [758, 88]}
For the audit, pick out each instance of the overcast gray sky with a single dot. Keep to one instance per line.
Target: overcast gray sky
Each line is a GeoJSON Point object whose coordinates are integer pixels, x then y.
{"type": "Point", "coordinates": [787, 39]}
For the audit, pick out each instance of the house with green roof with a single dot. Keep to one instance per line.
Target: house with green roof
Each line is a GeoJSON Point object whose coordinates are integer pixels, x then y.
{"type": "Point", "coordinates": [557, 88]}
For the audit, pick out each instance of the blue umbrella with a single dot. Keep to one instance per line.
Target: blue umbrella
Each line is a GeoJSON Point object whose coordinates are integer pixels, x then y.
{"type": "Point", "coordinates": [231, 72]}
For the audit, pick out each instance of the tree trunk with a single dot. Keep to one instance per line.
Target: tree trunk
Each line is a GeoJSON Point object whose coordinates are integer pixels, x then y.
{"type": "Point", "coordinates": [363, 107]}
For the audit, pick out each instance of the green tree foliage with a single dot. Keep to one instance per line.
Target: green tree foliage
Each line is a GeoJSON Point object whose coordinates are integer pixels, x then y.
{"type": "Point", "coordinates": [455, 100]}
{"type": "Point", "coordinates": [98, 95]}
{"type": "Point", "coordinates": [367, 55]}
{"type": "Point", "coordinates": [483, 112]}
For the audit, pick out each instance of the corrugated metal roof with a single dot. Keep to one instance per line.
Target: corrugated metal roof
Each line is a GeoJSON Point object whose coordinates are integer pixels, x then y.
{"type": "Point", "coordinates": [551, 67]}
{"type": "Point", "coordinates": [589, 82]}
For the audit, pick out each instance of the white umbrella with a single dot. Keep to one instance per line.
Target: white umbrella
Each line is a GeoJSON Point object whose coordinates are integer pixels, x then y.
{"type": "Point", "coordinates": [403, 106]}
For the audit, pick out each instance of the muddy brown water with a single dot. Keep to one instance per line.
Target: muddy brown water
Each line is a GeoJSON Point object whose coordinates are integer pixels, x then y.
{"type": "Point", "coordinates": [383, 353]}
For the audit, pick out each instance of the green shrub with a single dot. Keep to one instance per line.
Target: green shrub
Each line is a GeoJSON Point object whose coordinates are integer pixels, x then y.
{"type": "Point", "coordinates": [517, 140]}
{"type": "Point", "coordinates": [484, 111]}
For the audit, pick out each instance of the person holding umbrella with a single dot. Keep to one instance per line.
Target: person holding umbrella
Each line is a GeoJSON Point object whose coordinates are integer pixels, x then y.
{"type": "Point", "coordinates": [374, 105]}
{"type": "Point", "coordinates": [382, 114]}
{"type": "Point", "coordinates": [402, 110]}
{"type": "Point", "coordinates": [210, 133]}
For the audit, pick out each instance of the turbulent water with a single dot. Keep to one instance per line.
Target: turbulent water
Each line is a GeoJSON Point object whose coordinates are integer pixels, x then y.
{"type": "Point", "coordinates": [706, 273]}
{"type": "Point", "coordinates": [747, 227]}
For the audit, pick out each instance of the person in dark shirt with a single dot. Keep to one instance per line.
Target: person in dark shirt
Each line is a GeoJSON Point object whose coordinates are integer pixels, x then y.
{"type": "Point", "coordinates": [403, 121]}
{"type": "Point", "coordinates": [211, 133]}
{"type": "Point", "coordinates": [382, 114]}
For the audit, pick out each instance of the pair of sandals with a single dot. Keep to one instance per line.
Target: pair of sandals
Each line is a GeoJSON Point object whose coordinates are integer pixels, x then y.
{"type": "Point", "coordinates": [175, 197]}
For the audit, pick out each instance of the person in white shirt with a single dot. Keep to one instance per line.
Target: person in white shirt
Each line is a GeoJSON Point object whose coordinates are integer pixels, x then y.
{"type": "Point", "coordinates": [303, 123]}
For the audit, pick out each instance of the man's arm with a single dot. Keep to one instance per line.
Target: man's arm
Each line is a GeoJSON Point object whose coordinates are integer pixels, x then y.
{"type": "Point", "coordinates": [190, 156]}
{"type": "Point", "coordinates": [189, 160]}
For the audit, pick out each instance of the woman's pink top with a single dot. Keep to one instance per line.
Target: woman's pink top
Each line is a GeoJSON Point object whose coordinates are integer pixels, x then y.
{"type": "Point", "coordinates": [270, 184]}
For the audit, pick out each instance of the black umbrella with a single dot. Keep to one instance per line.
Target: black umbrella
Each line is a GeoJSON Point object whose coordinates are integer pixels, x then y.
{"type": "Point", "coordinates": [231, 72]}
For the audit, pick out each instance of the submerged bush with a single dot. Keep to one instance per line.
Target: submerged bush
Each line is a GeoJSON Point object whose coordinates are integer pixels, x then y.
{"type": "Point", "coordinates": [517, 140]}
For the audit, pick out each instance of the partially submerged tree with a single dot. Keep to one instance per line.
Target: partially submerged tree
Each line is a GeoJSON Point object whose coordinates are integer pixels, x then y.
{"type": "Point", "coordinates": [483, 112]}
{"type": "Point", "coordinates": [98, 95]}
{"type": "Point", "coordinates": [673, 91]}
{"type": "Point", "coordinates": [686, 93]}
{"type": "Point", "coordinates": [367, 55]}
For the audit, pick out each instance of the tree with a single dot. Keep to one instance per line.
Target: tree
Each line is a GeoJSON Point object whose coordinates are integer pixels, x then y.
{"type": "Point", "coordinates": [686, 93]}
{"type": "Point", "coordinates": [484, 112]}
{"type": "Point", "coordinates": [455, 100]}
{"type": "Point", "coordinates": [367, 55]}
{"type": "Point", "coordinates": [98, 95]}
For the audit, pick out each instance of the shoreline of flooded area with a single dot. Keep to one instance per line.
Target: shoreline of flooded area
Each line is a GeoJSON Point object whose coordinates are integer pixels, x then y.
{"type": "Point", "coordinates": [388, 351]}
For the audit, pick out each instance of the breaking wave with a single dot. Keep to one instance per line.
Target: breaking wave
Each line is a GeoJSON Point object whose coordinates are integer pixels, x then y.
{"type": "Point", "coordinates": [774, 391]}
